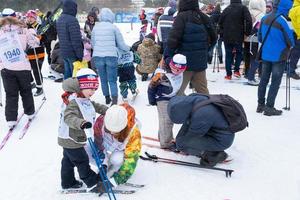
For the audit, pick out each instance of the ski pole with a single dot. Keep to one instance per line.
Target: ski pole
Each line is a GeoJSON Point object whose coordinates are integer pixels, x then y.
{"type": "Point", "coordinates": [215, 57]}
{"type": "Point", "coordinates": [1, 103]}
{"type": "Point", "coordinates": [154, 158]}
{"type": "Point", "coordinates": [288, 86]}
{"type": "Point", "coordinates": [107, 185]}
{"type": "Point", "coordinates": [39, 71]}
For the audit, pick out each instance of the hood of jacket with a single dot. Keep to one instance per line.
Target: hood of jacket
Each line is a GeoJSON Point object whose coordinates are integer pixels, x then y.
{"type": "Point", "coordinates": [11, 22]}
{"type": "Point", "coordinates": [71, 85]}
{"type": "Point", "coordinates": [282, 6]}
{"type": "Point", "coordinates": [185, 5]}
{"type": "Point", "coordinates": [235, 1]}
{"type": "Point", "coordinates": [70, 7]}
{"type": "Point", "coordinates": [147, 42]}
{"type": "Point", "coordinates": [180, 107]}
{"type": "Point", "coordinates": [106, 15]}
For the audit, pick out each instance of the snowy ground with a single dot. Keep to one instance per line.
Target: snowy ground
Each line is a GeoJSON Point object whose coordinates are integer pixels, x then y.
{"type": "Point", "coordinates": [266, 155]}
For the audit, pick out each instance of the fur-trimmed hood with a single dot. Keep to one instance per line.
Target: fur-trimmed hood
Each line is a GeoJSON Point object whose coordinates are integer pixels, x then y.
{"type": "Point", "coordinates": [8, 21]}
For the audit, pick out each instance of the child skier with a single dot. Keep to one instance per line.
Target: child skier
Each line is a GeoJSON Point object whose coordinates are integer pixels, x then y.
{"type": "Point", "coordinates": [150, 54]}
{"type": "Point", "coordinates": [163, 86]}
{"type": "Point", "coordinates": [78, 113]}
{"type": "Point", "coordinates": [117, 135]}
{"type": "Point", "coordinates": [16, 72]}
{"type": "Point", "coordinates": [126, 75]}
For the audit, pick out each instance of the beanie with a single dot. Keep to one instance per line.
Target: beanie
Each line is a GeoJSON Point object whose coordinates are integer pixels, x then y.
{"type": "Point", "coordinates": [8, 12]}
{"type": "Point", "coordinates": [87, 79]}
{"type": "Point", "coordinates": [178, 64]}
{"type": "Point", "coordinates": [31, 13]}
{"type": "Point", "coordinates": [115, 119]}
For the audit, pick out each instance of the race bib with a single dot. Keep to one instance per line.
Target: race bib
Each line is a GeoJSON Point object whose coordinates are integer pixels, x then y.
{"type": "Point", "coordinates": [11, 51]}
{"type": "Point", "coordinates": [125, 57]}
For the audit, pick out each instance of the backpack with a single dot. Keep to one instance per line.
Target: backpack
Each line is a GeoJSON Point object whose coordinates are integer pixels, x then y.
{"type": "Point", "coordinates": [232, 110]}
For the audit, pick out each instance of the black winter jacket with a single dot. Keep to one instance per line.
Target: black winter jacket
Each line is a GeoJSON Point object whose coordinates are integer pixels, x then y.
{"type": "Point", "coordinates": [235, 22]}
{"type": "Point", "coordinates": [68, 31]}
{"type": "Point", "coordinates": [191, 35]}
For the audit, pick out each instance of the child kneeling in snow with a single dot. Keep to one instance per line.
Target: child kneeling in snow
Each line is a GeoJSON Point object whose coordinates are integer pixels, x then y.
{"type": "Point", "coordinates": [117, 135]}
{"type": "Point", "coordinates": [163, 86]}
{"type": "Point", "coordinates": [78, 113]}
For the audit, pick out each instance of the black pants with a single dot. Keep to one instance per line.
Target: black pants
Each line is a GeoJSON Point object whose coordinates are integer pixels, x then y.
{"type": "Point", "coordinates": [77, 158]}
{"type": "Point", "coordinates": [48, 50]}
{"type": "Point", "coordinates": [16, 82]}
{"type": "Point", "coordinates": [36, 71]}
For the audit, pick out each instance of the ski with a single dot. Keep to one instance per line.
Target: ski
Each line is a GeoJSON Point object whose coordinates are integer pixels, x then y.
{"type": "Point", "coordinates": [168, 150]}
{"type": "Point", "coordinates": [150, 138]}
{"type": "Point", "coordinates": [85, 191]}
{"type": "Point", "coordinates": [228, 160]}
{"type": "Point", "coordinates": [10, 132]}
{"type": "Point", "coordinates": [27, 125]}
{"type": "Point", "coordinates": [50, 20]}
{"type": "Point", "coordinates": [134, 185]}
{"type": "Point", "coordinates": [155, 158]}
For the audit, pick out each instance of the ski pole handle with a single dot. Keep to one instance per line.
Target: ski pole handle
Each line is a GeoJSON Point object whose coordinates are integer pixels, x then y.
{"type": "Point", "coordinates": [88, 132]}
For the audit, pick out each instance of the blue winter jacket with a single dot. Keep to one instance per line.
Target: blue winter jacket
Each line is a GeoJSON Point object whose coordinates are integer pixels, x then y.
{"type": "Point", "coordinates": [68, 31]}
{"type": "Point", "coordinates": [206, 119]}
{"type": "Point", "coordinates": [106, 37]}
{"type": "Point", "coordinates": [280, 38]}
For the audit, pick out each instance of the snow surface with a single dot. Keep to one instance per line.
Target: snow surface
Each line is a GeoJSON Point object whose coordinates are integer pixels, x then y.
{"type": "Point", "coordinates": [266, 155]}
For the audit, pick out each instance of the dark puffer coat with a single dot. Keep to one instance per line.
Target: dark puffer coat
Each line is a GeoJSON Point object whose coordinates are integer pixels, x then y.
{"type": "Point", "coordinates": [235, 22]}
{"type": "Point", "coordinates": [68, 31]}
{"type": "Point", "coordinates": [191, 35]}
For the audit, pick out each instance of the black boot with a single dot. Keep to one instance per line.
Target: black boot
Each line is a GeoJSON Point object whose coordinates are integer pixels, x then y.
{"type": "Point", "coordinates": [114, 100]}
{"type": "Point", "coordinates": [211, 158]}
{"type": "Point", "coordinates": [144, 77]}
{"type": "Point", "coordinates": [75, 185]}
{"type": "Point", "coordinates": [260, 108]}
{"type": "Point", "coordinates": [38, 92]}
{"type": "Point", "coordinates": [221, 59]}
{"type": "Point", "coordinates": [107, 99]}
{"type": "Point", "coordinates": [272, 111]}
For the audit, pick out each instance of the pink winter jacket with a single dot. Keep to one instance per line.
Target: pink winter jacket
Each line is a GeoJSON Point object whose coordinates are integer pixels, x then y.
{"type": "Point", "coordinates": [26, 36]}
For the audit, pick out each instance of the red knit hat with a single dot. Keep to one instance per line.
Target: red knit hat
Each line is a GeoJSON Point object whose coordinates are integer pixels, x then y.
{"type": "Point", "coordinates": [87, 79]}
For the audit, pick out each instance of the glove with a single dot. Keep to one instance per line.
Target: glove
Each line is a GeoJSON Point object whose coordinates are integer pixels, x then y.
{"type": "Point", "coordinates": [86, 125]}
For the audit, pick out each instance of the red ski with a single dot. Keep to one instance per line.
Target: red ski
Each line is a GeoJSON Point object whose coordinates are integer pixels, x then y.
{"type": "Point", "coordinates": [27, 125]}
{"type": "Point", "coordinates": [10, 132]}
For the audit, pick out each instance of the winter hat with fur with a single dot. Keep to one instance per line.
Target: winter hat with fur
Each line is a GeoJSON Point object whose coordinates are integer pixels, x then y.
{"type": "Point", "coordinates": [178, 64]}
{"type": "Point", "coordinates": [115, 119]}
{"type": "Point", "coordinates": [87, 79]}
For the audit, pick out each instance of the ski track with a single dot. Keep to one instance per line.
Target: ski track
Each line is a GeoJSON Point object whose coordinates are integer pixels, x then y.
{"type": "Point", "coordinates": [266, 155]}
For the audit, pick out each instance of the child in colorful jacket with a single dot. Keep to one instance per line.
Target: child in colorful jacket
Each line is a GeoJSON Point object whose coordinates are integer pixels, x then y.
{"type": "Point", "coordinates": [117, 135]}
{"type": "Point", "coordinates": [126, 75]}
{"type": "Point", "coordinates": [78, 113]}
{"type": "Point", "coordinates": [163, 86]}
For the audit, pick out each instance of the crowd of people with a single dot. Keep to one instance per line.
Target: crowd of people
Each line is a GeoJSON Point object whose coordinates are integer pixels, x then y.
{"type": "Point", "coordinates": [175, 54]}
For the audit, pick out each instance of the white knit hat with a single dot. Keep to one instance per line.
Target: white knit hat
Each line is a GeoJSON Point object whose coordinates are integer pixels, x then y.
{"type": "Point", "coordinates": [8, 12]}
{"type": "Point", "coordinates": [115, 119]}
{"type": "Point", "coordinates": [178, 64]}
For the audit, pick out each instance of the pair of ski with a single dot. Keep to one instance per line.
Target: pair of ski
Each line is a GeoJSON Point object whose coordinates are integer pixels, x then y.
{"type": "Point", "coordinates": [25, 128]}
{"type": "Point", "coordinates": [155, 158]}
{"type": "Point", "coordinates": [116, 191]}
